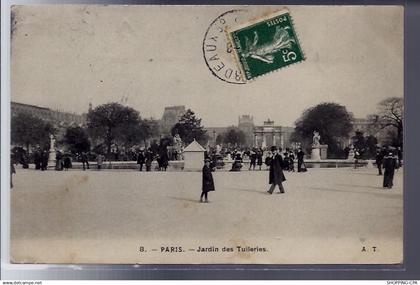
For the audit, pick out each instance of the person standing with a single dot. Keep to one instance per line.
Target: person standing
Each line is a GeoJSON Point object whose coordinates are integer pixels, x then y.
{"type": "Point", "coordinates": [149, 159]}
{"type": "Point", "coordinates": [12, 171]}
{"type": "Point", "coordinates": [253, 159]}
{"type": "Point", "coordinates": [259, 158]}
{"type": "Point", "coordinates": [44, 160]}
{"type": "Point", "coordinates": [356, 157]}
{"type": "Point", "coordinates": [140, 160]}
{"type": "Point", "coordinates": [379, 160]}
{"type": "Point", "coordinates": [208, 183]}
{"type": "Point", "coordinates": [99, 161]}
{"type": "Point", "coordinates": [400, 157]}
{"type": "Point", "coordinates": [37, 159]}
{"type": "Point", "coordinates": [300, 157]}
{"type": "Point", "coordinates": [58, 161]}
{"type": "Point", "coordinates": [67, 161]}
{"type": "Point", "coordinates": [390, 163]}
{"type": "Point", "coordinates": [85, 161]}
{"type": "Point", "coordinates": [291, 161]}
{"type": "Point", "coordinates": [276, 176]}
{"type": "Point", "coordinates": [164, 159]}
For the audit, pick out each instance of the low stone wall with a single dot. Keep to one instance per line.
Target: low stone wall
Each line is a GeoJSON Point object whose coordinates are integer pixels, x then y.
{"type": "Point", "coordinates": [178, 165]}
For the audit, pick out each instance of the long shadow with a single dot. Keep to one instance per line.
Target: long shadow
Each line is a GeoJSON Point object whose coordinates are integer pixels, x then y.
{"type": "Point", "coordinates": [246, 190]}
{"type": "Point", "coordinates": [185, 199]}
{"type": "Point", "coordinates": [360, 186]}
{"type": "Point", "coordinates": [382, 194]}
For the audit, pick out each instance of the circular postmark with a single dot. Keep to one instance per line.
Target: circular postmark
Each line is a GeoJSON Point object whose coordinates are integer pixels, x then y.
{"type": "Point", "coordinates": [217, 51]}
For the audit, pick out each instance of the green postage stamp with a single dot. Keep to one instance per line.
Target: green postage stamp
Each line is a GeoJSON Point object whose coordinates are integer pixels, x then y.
{"type": "Point", "coordinates": [265, 44]}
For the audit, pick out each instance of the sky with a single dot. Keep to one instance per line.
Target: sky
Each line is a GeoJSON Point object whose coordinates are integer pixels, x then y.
{"type": "Point", "coordinates": [68, 56]}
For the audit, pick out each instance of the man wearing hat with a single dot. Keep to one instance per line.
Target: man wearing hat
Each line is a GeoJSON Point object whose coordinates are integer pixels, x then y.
{"type": "Point", "coordinates": [389, 164]}
{"type": "Point", "coordinates": [208, 183]}
{"type": "Point", "coordinates": [276, 172]}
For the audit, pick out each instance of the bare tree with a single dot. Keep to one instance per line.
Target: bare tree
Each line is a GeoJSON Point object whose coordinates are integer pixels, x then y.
{"type": "Point", "coordinates": [390, 114]}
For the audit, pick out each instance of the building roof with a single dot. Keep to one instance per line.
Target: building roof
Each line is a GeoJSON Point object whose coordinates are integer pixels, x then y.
{"type": "Point", "coordinates": [194, 147]}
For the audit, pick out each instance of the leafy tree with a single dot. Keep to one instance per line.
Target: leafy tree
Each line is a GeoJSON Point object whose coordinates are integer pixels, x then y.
{"type": "Point", "coordinates": [331, 120]}
{"type": "Point", "coordinates": [234, 136]}
{"type": "Point", "coordinates": [76, 138]}
{"type": "Point", "coordinates": [365, 145]}
{"type": "Point", "coordinates": [189, 128]}
{"type": "Point", "coordinates": [113, 123]}
{"type": "Point", "coordinates": [390, 114]}
{"type": "Point", "coordinates": [149, 128]}
{"type": "Point", "coordinates": [359, 141]}
{"type": "Point", "coordinates": [28, 130]}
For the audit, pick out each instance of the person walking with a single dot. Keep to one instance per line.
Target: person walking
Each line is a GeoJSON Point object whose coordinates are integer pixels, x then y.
{"type": "Point", "coordinates": [140, 160]}
{"type": "Point", "coordinates": [85, 161]}
{"type": "Point", "coordinates": [390, 164]}
{"type": "Point", "coordinates": [208, 183]}
{"type": "Point", "coordinates": [276, 176]}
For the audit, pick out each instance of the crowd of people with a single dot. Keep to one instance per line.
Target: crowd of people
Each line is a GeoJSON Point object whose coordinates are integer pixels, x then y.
{"type": "Point", "coordinates": [276, 160]}
{"type": "Point", "coordinates": [256, 157]}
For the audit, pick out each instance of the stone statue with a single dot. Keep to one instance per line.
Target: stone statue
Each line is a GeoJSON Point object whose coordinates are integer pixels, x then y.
{"type": "Point", "coordinates": [52, 142]}
{"type": "Point", "coordinates": [178, 146]}
{"type": "Point", "coordinates": [315, 139]}
{"type": "Point", "coordinates": [52, 152]}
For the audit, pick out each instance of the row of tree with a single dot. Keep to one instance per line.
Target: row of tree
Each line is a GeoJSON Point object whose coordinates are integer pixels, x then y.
{"type": "Point", "coordinates": [335, 124]}
{"type": "Point", "coordinates": [114, 125]}
{"type": "Point", "coordinates": [108, 126]}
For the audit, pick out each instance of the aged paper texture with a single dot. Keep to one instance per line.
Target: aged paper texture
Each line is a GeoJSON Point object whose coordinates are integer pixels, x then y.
{"type": "Point", "coordinates": [100, 90]}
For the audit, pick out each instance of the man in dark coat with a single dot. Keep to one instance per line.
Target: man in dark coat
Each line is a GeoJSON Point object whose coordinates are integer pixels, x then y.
{"type": "Point", "coordinates": [37, 159]}
{"type": "Point", "coordinates": [379, 160]}
{"type": "Point", "coordinates": [208, 183]}
{"type": "Point", "coordinates": [85, 161]}
{"type": "Point", "coordinates": [44, 160]}
{"type": "Point", "coordinates": [390, 163]}
{"type": "Point", "coordinates": [253, 158]}
{"type": "Point", "coordinates": [276, 172]}
{"type": "Point", "coordinates": [67, 161]}
{"type": "Point", "coordinates": [140, 160]}
{"type": "Point", "coordinates": [300, 156]}
{"type": "Point", "coordinates": [259, 158]}
{"type": "Point", "coordinates": [163, 159]}
{"type": "Point", "coordinates": [149, 159]}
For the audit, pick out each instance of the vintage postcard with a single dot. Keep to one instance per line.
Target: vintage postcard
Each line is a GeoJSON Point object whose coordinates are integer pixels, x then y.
{"type": "Point", "coordinates": [157, 134]}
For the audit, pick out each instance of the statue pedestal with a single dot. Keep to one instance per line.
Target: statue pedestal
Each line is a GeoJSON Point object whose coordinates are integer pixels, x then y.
{"type": "Point", "coordinates": [52, 152]}
{"type": "Point", "coordinates": [351, 155]}
{"type": "Point", "coordinates": [323, 148]}
{"type": "Point", "coordinates": [316, 153]}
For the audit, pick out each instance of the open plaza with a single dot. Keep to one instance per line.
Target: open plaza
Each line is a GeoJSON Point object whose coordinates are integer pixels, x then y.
{"type": "Point", "coordinates": [327, 215]}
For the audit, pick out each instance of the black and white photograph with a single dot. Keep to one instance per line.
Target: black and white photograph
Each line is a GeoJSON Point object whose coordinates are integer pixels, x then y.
{"type": "Point", "coordinates": [136, 137]}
